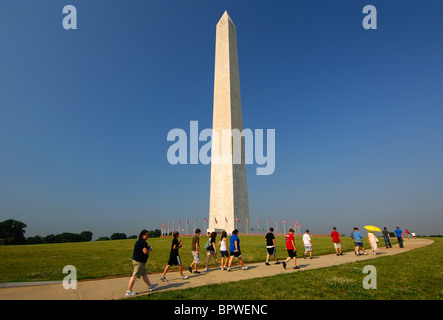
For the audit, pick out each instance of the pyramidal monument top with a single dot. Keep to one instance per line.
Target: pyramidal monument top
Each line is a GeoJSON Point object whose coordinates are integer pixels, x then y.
{"type": "Point", "coordinates": [225, 17]}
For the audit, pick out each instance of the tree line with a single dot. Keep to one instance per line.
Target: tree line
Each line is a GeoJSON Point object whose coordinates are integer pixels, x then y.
{"type": "Point", "coordinates": [13, 232]}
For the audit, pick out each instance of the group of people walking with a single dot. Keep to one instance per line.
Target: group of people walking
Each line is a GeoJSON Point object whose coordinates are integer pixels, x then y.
{"type": "Point", "coordinates": [290, 247]}
{"type": "Point", "coordinates": [227, 256]}
{"type": "Point", "coordinates": [233, 250]}
{"type": "Point", "coordinates": [357, 236]}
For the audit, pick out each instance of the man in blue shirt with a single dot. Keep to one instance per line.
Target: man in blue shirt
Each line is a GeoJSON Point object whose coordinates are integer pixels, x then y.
{"type": "Point", "coordinates": [358, 238]}
{"type": "Point", "coordinates": [399, 235]}
{"type": "Point", "coordinates": [234, 250]}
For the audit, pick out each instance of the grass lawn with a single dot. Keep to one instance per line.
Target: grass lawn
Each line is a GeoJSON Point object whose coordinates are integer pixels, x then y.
{"type": "Point", "coordinates": [98, 259]}
{"type": "Point", "coordinates": [413, 275]}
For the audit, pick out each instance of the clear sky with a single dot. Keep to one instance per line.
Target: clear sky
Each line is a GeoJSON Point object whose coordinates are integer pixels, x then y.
{"type": "Point", "coordinates": [84, 114]}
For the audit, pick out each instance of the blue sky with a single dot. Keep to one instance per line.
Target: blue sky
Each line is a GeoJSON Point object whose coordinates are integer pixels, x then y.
{"type": "Point", "coordinates": [84, 114]}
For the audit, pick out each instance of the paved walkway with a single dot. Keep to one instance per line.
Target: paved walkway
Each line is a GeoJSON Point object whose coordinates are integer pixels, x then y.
{"type": "Point", "coordinates": [115, 288]}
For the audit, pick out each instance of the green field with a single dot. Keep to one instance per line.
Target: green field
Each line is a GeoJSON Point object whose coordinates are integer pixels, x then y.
{"type": "Point", "coordinates": [99, 259]}
{"type": "Point", "coordinates": [413, 275]}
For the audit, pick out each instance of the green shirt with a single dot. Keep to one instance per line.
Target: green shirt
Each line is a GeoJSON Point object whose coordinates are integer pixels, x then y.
{"type": "Point", "coordinates": [195, 240]}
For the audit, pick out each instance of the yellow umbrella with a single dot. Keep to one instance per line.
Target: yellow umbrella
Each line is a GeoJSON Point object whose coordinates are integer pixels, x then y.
{"type": "Point", "coordinates": [372, 228]}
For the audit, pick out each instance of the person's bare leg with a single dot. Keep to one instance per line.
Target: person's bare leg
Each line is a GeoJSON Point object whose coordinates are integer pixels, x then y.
{"type": "Point", "coordinates": [166, 270]}
{"type": "Point", "coordinates": [146, 280]}
{"type": "Point", "coordinates": [208, 256]}
{"type": "Point", "coordinates": [131, 283]}
{"type": "Point", "coordinates": [241, 262]}
{"type": "Point", "coordinates": [230, 262]}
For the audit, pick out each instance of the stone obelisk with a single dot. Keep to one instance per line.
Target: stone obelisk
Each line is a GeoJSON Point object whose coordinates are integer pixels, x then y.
{"type": "Point", "coordinates": [228, 208]}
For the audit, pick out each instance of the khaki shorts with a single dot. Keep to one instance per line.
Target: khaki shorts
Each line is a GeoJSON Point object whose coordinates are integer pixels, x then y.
{"type": "Point", "coordinates": [139, 269]}
{"type": "Point", "coordinates": [337, 245]}
{"type": "Point", "coordinates": [196, 257]}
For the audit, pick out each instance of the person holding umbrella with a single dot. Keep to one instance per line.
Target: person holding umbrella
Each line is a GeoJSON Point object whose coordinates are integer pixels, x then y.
{"type": "Point", "coordinates": [372, 239]}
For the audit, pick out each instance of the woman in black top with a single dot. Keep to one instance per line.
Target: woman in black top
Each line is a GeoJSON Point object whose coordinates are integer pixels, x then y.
{"type": "Point", "coordinates": [211, 251]}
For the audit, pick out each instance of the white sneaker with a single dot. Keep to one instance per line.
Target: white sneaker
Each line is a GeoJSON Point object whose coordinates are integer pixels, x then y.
{"type": "Point", "coordinates": [245, 268]}
{"type": "Point", "coordinates": [152, 286]}
{"type": "Point", "coordinates": [184, 277]}
{"type": "Point", "coordinates": [130, 293]}
{"type": "Point", "coordinates": [206, 269]}
{"type": "Point", "coordinates": [163, 279]}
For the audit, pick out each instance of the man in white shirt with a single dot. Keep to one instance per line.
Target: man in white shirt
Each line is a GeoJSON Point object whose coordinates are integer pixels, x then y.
{"type": "Point", "coordinates": [308, 244]}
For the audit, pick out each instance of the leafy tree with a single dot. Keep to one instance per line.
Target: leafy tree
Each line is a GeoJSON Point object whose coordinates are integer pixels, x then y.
{"type": "Point", "coordinates": [13, 231]}
{"type": "Point", "coordinates": [117, 236]}
{"type": "Point", "coordinates": [86, 235]}
{"type": "Point", "coordinates": [103, 239]}
{"type": "Point", "coordinates": [154, 234]}
{"type": "Point", "coordinates": [34, 240]}
{"type": "Point", "coordinates": [68, 237]}
{"type": "Point", "coordinates": [50, 238]}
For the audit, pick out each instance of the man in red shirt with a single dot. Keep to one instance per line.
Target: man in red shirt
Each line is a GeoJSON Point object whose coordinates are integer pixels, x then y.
{"type": "Point", "coordinates": [336, 240]}
{"type": "Point", "coordinates": [290, 246]}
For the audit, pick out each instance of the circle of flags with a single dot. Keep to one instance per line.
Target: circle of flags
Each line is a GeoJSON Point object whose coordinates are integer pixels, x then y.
{"type": "Point", "coordinates": [185, 228]}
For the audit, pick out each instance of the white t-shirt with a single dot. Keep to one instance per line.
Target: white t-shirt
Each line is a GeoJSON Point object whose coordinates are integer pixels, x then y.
{"type": "Point", "coordinates": [223, 245]}
{"type": "Point", "coordinates": [306, 239]}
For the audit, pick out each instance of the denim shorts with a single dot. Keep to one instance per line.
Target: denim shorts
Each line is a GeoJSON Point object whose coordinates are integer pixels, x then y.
{"type": "Point", "coordinates": [224, 254]}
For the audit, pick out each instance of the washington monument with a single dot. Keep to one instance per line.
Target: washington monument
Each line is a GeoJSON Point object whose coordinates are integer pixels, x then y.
{"type": "Point", "coordinates": [228, 204]}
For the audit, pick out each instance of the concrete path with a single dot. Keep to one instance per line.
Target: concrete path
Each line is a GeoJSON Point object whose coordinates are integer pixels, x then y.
{"type": "Point", "coordinates": [115, 288]}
